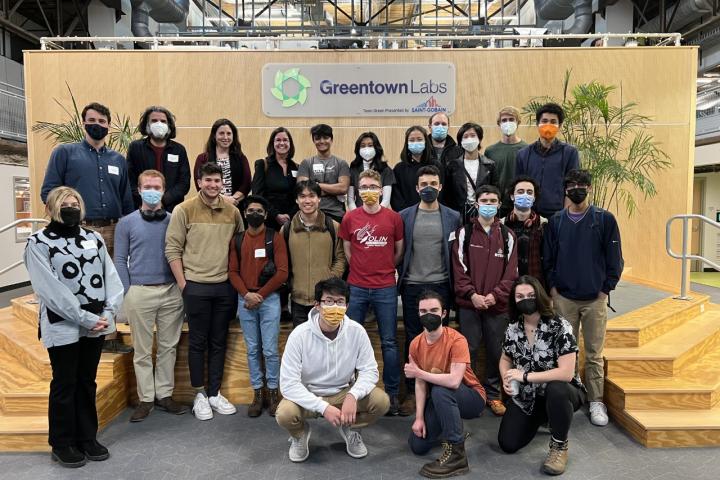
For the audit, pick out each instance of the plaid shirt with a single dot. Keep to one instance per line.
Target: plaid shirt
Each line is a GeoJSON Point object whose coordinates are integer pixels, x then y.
{"type": "Point", "coordinates": [529, 236]}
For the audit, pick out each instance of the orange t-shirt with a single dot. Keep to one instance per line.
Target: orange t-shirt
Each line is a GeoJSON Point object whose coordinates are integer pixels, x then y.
{"type": "Point", "coordinates": [451, 347]}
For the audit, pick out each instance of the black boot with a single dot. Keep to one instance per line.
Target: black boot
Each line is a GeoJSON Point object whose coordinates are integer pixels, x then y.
{"type": "Point", "coordinates": [256, 407]}
{"type": "Point", "coordinates": [69, 457]}
{"type": "Point", "coordinates": [273, 398]}
{"type": "Point", "coordinates": [116, 346]}
{"type": "Point", "coordinates": [452, 461]}
{"type": "Point", "coordinates": [94, 451]}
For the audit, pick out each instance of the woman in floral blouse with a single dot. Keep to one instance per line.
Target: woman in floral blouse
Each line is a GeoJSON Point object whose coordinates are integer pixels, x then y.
{"type": "Point", "coordinates": [539, 354]}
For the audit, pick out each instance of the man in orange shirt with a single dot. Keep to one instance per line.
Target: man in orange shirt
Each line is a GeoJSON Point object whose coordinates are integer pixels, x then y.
{"type": "Point", "coordinates": [446, 390]}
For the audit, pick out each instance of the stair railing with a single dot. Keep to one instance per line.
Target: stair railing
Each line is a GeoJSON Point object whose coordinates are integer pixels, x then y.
{"type": "Point", "coordinates": [684, 255]}
{"type": "Point", "coordinates": [35, 222]}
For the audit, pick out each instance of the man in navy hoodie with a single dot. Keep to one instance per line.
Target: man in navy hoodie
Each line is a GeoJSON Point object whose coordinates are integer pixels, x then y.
{"type": "Point", "coordinates": [548, 160]}
{"type": "Point", "coordinates": [583, 263]}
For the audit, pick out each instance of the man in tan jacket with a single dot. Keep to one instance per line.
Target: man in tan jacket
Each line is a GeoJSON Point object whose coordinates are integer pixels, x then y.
{"type": "Point", "coordinates": [196, 246]}
{"type": "Point", "coordinates": [315, 252]}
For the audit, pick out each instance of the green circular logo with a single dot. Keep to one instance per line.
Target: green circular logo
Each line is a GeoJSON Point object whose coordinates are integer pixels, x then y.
{"type": "Point", "coordinates": [278, 90]}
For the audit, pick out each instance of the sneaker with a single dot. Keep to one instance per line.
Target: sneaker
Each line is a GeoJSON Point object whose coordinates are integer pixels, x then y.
{"type": "Point", "coordinates": [169, 405]}
{"type": "Point", "coordinates": [69, 457]}
{"type": "Point", "coordinates": [557, 458]}
{"type": "Point", "coordinates": [201, 407]}
{"type": "Point", "coordinates": [497, 407]}
{"type": "Point", "coordinates": [221, 405]}
{"type": "Point", "coordinates": [142, 411]}
{"type": "Point", "coordinates": [94, 451]}
{"type": "Point", "coordinates": [116, 346]}
{"type": "Point", "coordinates": [299, 451]}
{"type": "Point", "coordinates": [394, 409]}
{"type": "Point", "coordinates": [256, 407]}
{"type": "Point", "coordinates": [353, 441]}
{"type": "Point", "coordinates": [598, 414]}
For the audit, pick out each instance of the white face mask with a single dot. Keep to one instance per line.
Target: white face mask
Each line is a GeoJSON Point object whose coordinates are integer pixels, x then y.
{"type": "Point", "coordinates": [470, 144]}
{"type": "Point", "coordinates": [158, 129]}
{"type": "Point", "coordinates": [508, 128]}
{"type": "Point", "coordinates": [367, 153]}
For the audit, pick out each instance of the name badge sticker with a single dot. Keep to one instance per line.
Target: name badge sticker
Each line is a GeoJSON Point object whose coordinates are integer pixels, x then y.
{"type": "Point", "coordinates": [173, 158]}
{"type": "Point", "coordinates": [293, 173]}
{"type": "Point", "coordinates": [112, 169]}
{"type": "Point", "coordinates": [88, 245]}
{"type": "Point", "coordinates": [259, 253]}
{"type": "Point", "coordinates": [318, 168]}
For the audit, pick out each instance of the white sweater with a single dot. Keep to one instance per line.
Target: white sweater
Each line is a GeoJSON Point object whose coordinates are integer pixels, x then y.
{"type": "Point", "coordinates": [313, 366]}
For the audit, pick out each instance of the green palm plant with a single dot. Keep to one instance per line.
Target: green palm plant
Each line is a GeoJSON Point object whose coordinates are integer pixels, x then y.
{"type": "Point", "coordinates": [121, 133]}
{"type": "Point", "coordinates": [613, 142]}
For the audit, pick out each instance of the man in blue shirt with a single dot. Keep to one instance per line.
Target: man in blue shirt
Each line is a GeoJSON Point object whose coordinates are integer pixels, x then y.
{"type": "Point", "coordinates": [106, 193]}
{"type": "Point", "coordinates": [152, 298]}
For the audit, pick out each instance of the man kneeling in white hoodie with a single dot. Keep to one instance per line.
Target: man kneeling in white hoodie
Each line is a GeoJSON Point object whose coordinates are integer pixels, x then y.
{"type": "Point", "coordinates": [328, 369]}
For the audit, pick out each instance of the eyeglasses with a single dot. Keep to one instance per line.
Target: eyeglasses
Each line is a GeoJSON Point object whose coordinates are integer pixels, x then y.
{"type": "Point", "coordinates": [329, 302]}
{"type": "Point", "coordinates": [371, 188]}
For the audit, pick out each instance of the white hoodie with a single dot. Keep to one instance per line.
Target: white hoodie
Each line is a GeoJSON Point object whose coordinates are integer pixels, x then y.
{"type": "Point", "coordinates": [313, 366]}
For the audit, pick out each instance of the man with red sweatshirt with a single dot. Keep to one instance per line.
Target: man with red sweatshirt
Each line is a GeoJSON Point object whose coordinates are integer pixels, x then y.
{"type": "Point", "coordinates": [485, 267]}
{"type": "Point", "coordinates": [258, 268]}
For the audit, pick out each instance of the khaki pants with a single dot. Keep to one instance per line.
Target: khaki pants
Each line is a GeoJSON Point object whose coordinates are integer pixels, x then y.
{"type": "Point", "coordinates": [592, 316]}
{"type": "Point", "coordinates": [159, 307]}
{"type": "Point", "coordinates": [291, 416]}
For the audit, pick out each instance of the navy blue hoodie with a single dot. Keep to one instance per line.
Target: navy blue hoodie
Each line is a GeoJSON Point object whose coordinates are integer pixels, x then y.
{"type": "Point", "coordinates": [582, 259]}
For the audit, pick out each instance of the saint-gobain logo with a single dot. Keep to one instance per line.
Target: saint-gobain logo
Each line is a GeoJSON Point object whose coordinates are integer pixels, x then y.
{"type": "Point", "coordinates": [290, 87]}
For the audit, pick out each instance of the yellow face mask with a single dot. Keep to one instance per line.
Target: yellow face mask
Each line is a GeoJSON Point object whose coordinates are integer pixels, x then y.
{"type": "Point", "coordinates": [370, 197]}
{"type": "Point", "coordinates": [333, 315]}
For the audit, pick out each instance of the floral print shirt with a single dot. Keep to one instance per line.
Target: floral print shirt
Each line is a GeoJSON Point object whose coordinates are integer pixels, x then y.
{"type": "Point", "coordinates": [553, 339]}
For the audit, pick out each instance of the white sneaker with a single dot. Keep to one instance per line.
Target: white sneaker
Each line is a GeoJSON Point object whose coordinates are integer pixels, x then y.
{"type": "Point", "coordinates": [201, 407]}
{"type": "Point", "coordinates": [299, 451]}
{"type": "Point", "coordinates": [598, 414]}
{"type": "Point", "coordinates": [353, 441]}
{"type": "Point", "coordinates": [221, 405]}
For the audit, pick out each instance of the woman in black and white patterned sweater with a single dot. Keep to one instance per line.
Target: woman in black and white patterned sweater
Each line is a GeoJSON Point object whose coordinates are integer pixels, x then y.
{"type": "Point", "coordinates": [79, 292]}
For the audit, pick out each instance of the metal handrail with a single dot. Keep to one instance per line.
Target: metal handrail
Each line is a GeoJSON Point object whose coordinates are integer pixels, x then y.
{"type": "Point", "coordinates": [684, 256]}
{"type": "Point", "coordinates": [35, 222]}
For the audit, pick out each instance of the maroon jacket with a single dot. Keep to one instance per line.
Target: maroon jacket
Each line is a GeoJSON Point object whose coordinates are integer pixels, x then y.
{"type": "Point", "coordinates": [484, 271]}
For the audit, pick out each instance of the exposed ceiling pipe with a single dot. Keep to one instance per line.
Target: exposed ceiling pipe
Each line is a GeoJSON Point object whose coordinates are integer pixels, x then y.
{"type": "Point", "coordinates": [162, 11]}
{"type": "Point", "coordinates": [562, 9]}
{"type": "Point", "coordinates": [687, 11]}
{"type": "Point", "coordinates": [583, 17]}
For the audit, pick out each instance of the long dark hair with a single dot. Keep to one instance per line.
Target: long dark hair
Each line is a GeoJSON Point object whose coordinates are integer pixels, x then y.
{"type": "Point", "coordinates": [378, 164]}
{"type": "Point", "coordinates": [544, 304]}
{"type": "Point", "coordinates": [235, 148]}
{"type": "Point", "coordinates": [406, 156]}
{"type": "Point", "coordinates": [271, 143]}
{"type": "Point", "coordinates": [145, 118]}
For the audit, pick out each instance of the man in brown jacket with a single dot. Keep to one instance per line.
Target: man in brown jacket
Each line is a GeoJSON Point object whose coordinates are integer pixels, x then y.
{"type": "Point", "coordinates": [315, 252]}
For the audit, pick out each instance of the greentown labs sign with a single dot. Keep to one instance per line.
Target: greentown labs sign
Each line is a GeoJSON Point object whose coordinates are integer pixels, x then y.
{"type": "Point", "coordinates": [351, 90]}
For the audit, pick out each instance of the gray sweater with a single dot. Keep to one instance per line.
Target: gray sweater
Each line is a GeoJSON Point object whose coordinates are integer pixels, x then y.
{"type": "Point", "coordinates": [140, 251]}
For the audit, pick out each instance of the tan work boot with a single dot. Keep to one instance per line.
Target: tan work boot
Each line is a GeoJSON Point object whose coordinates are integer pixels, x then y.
{"type": "Point", "coordinates": [452, 461]}
{"type": "Point", "coordinates": [497, 407]}
{"type": "Point", "coordinates": [557, 458]}
{"type": "Point", "coordinates": [256, 407]}
{"type": "Point", "coordinates": [273, 399]}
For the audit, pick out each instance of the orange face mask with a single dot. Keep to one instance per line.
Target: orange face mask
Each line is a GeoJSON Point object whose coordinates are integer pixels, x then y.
{"type": "Point", "coordinates": [548, 131]}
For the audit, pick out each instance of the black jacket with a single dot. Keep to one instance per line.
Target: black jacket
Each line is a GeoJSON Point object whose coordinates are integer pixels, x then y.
{"type": "Point", "coordinates": [451, 150]}
{"type": "Point", "coordinates": [455, 186]}
{"type": "Point", "coordinates": [404, 193]}
{"type": "Point", "coordinates": [276, 188]}
{"type": "Point", "coordinates": [175, 167]}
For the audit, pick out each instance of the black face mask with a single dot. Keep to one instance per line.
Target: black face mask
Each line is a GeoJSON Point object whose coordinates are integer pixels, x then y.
{"type": "Point", "coordinates": [527, 306]}
{"type": "Point", "coordinates": [430, 321]}
{"type": "Point", "coordinates": [153, 215]}
{"type": "Point", "coordinates": [577, 195]}
{"type": "Point", "coordinates": [70, 216]}
{"type": "Point", "coordinates": [96, 132]}
{"type": "Point", "coordinates": [429, 194]}
{"type": "Point", "coordinates": [255, 219]}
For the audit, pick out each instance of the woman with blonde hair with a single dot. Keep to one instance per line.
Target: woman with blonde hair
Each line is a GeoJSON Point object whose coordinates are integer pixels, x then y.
{"type": "Point", "coordinates": [80, 293]}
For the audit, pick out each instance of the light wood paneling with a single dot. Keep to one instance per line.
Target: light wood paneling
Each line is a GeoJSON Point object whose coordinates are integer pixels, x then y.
{"type": "Point", "coordinates": [200, 87]}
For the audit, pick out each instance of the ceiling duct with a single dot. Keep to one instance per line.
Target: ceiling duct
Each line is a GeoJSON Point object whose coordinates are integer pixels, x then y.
{"type": "Point", "coordinates": [582, 11]}
{"type": "Point", "coordinates": [687, 11]}
{"type": "Point", "coordinates": [162, 11]}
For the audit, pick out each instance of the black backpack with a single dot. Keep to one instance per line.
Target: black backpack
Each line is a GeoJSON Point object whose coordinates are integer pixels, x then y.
{"type": "Point", "coordinates": [504, 231]}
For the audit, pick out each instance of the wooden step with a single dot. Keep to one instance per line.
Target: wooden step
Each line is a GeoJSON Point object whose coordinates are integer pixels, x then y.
{"type": "Point", "coordinates": [667, 354]}
{"type": "Point", "coordinates": [26, 308]}
{"type": "Point", "coordinates": [674, 428]}
{"type": "Point", "coordinates": [638, 327]}
{"type": "Point", "coordinates": [24, 433]}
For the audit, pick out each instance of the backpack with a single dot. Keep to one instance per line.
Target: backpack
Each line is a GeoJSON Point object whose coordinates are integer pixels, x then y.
{"type": "Point", "coordinates": [328, 226]}
{"type": "Point", "coordinates": [269, 269]}
{"type": "Point", "coordinates": [504, 231]}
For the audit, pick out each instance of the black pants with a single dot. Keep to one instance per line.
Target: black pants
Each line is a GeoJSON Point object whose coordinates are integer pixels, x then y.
{"type": "Point", "coordinates": [481, 326]}
{"type": "Point", "coordinates": [299, 313]}
{"type": "Point", "coordinates": [209, 308]}
{"type": "Point", "coordinates": [411, 318]}
{"type": "Point", "coordinates": [72, 415]}
{"type": "Point", "coordinates": [557, 407]}
{"type": "Point", "coordinates": [444, 410]}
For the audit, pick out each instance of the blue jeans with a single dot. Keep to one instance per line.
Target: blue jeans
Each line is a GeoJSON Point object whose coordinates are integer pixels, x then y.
{"type": "Point", "coordinates": [261, 328]}
{"type": "Point", "coordinates": [384, 302]}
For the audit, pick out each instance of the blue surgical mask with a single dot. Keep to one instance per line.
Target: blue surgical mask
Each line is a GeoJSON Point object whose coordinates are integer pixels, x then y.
{"type": "Point", "coordinates": [416, 147]}
{"type": "Point", "coordinates": [523, 201]}
{"type": "Point", "coordinates": [151, 197]}
{"type": "Point", "coordinates": [487, 211]}
{"type": "Point", "coordinates": [439, 132]}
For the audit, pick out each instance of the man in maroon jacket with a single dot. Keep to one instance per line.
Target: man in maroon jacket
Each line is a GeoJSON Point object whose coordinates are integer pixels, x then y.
{"type": "Point", "coordinates": [485, 266]}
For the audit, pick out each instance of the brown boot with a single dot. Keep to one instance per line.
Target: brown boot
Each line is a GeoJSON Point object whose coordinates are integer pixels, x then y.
{"type": "Point", "coordinates": [142, 411]}
{"type": "Point", "coordinates": [171, 406]}
{"type": "Point", "coordinates": [557, 458]}
{"type": "Point", "coordinates": [256, 407]}
{"type": "Point", "coordinates": [407, 407]}
{"type": "Point", "coordinates": [452, 461]}
{"type": "Point", "coordinates": [273, 399]}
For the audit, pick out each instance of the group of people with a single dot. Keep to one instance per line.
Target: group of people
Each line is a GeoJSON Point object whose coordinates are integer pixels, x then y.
{"type": "Point", "coordinates": [508, 239]}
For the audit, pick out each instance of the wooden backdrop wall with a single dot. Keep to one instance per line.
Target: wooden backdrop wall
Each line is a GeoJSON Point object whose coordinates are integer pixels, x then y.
{"type": "Point", "coordinates": [200, 87]}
